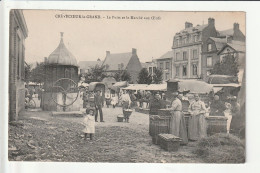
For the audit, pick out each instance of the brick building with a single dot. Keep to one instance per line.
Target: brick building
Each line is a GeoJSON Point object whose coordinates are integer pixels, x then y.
{"type": "Point", "coordinates": [164, 63]}
{"type": "Point", "coordinates": [187, 47]}
{"type": "Point", "coordinates": [123, 61]}
{"type": "Point", "coordinates": [210, 52]}
{"type": "Point", "coordinates": [18, 33]}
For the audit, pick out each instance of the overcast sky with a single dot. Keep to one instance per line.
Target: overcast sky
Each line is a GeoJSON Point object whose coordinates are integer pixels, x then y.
{"type": "Point", "coordinates": [88, 39]}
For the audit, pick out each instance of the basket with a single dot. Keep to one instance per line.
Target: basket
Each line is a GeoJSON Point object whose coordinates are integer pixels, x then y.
{"type": "Point", "coordinates": [120, 118]}
{"type": "Point", "coordinates": [169, 142]}
{"type": "Point", "coordinates": [127, 112]}
{"type": "Point", "coordinates": [216, 124]}
{"type": "Point", "coordinates": [159, 125]}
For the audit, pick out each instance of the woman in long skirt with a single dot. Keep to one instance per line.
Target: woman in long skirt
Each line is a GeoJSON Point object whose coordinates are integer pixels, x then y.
{"type": "Point", "coordinates": [125, 98]}
{"type": "Point", "coordinates": [197, 121]}
{"type": "Point", "coordinates": [177, 122]}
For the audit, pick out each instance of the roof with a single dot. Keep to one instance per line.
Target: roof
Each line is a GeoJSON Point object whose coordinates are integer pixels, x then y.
{"type": "Point", "coordinates": [226, 32]}
{"type": "Point", "coordinates": [61, 55]}
{"type": "Point", "coordinates": [219, 42]}
{"type": "Point", "coordinates": [238, 46]}
{"type": "Point", "coordinates": [112, 60]}
{"type": "Point", "coordinates": [167, 55]}
{"type": "Point", "coordinates": [193, 29]}
{"type": "Point", "coordinates": [88, 64]}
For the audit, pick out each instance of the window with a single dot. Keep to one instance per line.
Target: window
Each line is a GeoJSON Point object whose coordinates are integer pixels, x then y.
{"type": "Point", "coordinates": [209, 47]}
{"type": "Point", "coordinates": [167, 76]}
{"type": "Point", "coordinates": [178, 57]}
{"type": "Point", "coordinates": [194, 69]}
{"type": "Point", "coordinates": [196, 38]}
{"type": "Point", "coordinates": [184, 70]}
{"type": "Point", "coordinates": [177, 71]}
{"type": "Point", "coordinates": [209, 61]}
{"type": "Point", "coordinates": [167, 65]}
{"type": "Point", "coordinates": [185, 55]}
{"type": "Point", "coordinates": [161, 65]}
{"type": "Point", "coordinates": [150, 70]}
{"type": "Point", "coordinates": [154, 68]}
{"type": "Point", "coordinates": [18, 56]}
{"type": "Point", "coordinates": [195, 54]}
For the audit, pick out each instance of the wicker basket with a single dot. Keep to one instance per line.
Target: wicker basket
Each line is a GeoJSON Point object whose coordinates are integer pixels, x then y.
{"type": "Point", "coordinates": [216, 124]}
{"type": "Point", "coordinates": [120, 118]}
{"type": "Point", "coordinates": [159, 125]}
{"type": "Point", "coordinates": [169, 142]}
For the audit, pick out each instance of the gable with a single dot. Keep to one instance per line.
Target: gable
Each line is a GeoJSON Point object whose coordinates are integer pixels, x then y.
{"type": "Point", "coordinates": [115, 61]}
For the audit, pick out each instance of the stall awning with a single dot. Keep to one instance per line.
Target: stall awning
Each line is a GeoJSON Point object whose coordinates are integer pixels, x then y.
{"type": "Point", "coordinates": [217, 89]}
{"type": "Point", "coordinates": [157, 87]}
{"type": "Point", "coordinates": [136, 87]}
{"type": "Point", "coordinates": [195, 86]}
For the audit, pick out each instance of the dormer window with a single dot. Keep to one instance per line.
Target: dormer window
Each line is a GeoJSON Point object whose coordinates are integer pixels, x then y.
{"type": "Point", "coordinates": [209, 47]}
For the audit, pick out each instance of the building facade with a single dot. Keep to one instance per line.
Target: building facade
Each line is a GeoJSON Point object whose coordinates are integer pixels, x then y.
{"type": "Point", "coordinates": [85, 66]}
{"type": "Point", "coordinates": [164, 63]}
{"type": "Point", "coordinates": [123, 61]}
{"type": "Point", "coordinates": [150, 66]}
{"type": "Point", "coordinates": [18, 33]}
{"type": "Point", "coordinates": [238, 50]}
{"type": "Point", "coordinates": [187, 47]}
{"type": "Point", "coordinates": [210, 52]}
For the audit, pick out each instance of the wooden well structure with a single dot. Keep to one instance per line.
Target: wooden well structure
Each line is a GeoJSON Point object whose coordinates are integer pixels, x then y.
{"type": "Point", "coordinates": [61, 81]}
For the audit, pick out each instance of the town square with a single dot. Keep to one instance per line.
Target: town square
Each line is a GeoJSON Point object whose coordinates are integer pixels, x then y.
{"type": "Point", "coordinates": [127, 87]}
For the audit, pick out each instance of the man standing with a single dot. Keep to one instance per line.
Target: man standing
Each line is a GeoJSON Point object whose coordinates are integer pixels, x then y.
{"type": "Point", "coordinates": [99, 102]}
{"type": "Point", "coordinates": [177, 123]}
{"type": "Point", "coordinates": [197, 122]}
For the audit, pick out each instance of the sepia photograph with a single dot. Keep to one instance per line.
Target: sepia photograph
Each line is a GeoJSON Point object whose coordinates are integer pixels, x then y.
{"type": "Point", "coordinates": [127, 86]}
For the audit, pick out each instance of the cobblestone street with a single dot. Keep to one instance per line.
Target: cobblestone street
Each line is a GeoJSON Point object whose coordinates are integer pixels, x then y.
{"type": "Point", "coordinates": [38, 136]}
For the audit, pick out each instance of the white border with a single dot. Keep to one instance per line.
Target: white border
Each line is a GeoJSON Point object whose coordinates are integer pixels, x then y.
{"type": "Point", "coordinates": [253, 113]}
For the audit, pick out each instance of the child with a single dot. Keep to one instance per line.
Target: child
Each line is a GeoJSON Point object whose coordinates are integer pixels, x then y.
{"type": "Point", "coordinates": [89, 123]}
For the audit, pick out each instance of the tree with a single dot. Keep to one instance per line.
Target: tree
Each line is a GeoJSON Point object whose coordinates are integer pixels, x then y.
{"type": "Point", "coordinates": [122, 75]}
{"type": "Point", "coordinates": [117, 76]}
{"type": "Point", "coordinates": [125, 76]}
{"type": "Point", "coordinates": [96, 74]}
{"type": "Point", "coordinates": [27, 73]}
{"type": "Point", "coordinates": [158, 76]}
{"type": "Point", "coordinates": [38, 73]}
{"type": "Point", "coordinates": [144, 77]}
{"type": "Point", "coordinates": [228, 66]}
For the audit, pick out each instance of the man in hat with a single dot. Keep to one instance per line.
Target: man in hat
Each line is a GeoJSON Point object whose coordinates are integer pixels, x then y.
{"type": "Point", "coordinates": [99, 102]}
{"type": "Point", "coordinates": [177, 123]}
{"type": "Point", "coordinates": [197, 121]}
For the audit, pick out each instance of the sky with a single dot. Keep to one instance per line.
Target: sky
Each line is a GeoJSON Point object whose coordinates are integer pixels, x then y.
{"type": "Point", "coordinates": [88, 39]}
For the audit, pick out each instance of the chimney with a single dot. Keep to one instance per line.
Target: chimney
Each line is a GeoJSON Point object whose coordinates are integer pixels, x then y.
{"type": "Point", "coordinates": [107, 53]}
{"type": "Point", "coordinates": [188, 25]}
{"type": "Point", "coordinates": [236, 26]}
{"type": "Point", "coordinates": [133, 51]}
{"type": "Point", "coordinates": [211, 21]}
